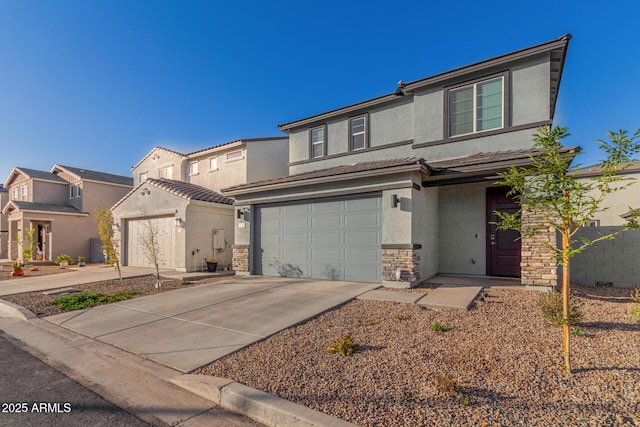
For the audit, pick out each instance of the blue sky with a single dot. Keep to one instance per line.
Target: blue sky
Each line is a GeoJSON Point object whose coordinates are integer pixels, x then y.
{"type": "Point", "coordinates": [97, 84]}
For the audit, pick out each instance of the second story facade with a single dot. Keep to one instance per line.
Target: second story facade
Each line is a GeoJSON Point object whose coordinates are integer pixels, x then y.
{"type": "Point", "coordinates": [236, 162]}
{"type": "Point", "coordinates": [490, 106]}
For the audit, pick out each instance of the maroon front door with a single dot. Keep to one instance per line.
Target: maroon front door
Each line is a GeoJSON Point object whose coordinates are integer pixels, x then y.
{"type": "Point", "coordinates": [503, 246]}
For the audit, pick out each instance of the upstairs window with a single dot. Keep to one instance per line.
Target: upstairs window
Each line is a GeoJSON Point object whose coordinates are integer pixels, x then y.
{"type": "Point", "coordinates": [15, 194]}
{"type": "Point", "coordinates": [72, 191]}
{"type": "Point", "coordinates": [193, 168]}
{"type": "Point", "coordinates": [142, 177]}
{"type": "Point", "coordinates": [213, 163]}
{"type": "Point", "coordinates": [317, 136]}
{"type": "Point", "coordinates": [166, 172]}
{"type": "Point", "coordinates": [358, 133]}
{"type": "Point", "coordinates": [25, 192]}
{"type": "Point", "coordinates": [476, 107]}
{"type": "Point", "coordinates": [235, 155]}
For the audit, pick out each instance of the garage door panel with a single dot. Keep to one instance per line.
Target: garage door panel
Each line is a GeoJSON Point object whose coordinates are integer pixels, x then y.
{"type": "Point", "coordinates": [138, 230]}
{"type": "Point", "coordinates": [325, 239]}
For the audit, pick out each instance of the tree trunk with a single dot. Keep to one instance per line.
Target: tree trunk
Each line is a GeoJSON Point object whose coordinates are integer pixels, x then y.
{"type": "Point", "coordinates": [565, 303]}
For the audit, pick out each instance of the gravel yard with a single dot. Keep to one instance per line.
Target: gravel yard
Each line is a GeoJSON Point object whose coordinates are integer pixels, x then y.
{"type": "Point", "coordinates": [502, 356]}
{"type": "Point", "coordinates": [33, 270]}
{"type": "Point", "coordinates": [36, 301]}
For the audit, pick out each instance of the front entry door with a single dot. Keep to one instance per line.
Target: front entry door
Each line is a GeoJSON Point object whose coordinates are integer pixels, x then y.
{"type": "Point", "coordinates": [503, 246]}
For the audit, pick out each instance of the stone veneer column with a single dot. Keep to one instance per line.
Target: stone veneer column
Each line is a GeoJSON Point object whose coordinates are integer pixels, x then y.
{"type": "Point", "coordinates": [538, 266]}
{"type": "Point", "coordinates": [407, 258]}
{"type": "Point", "coordinates": [240, 260]}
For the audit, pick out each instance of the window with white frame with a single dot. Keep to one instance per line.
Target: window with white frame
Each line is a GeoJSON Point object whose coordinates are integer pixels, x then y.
{"type": "Point", "coordinates": [476, 107]}
{"type": "Point", "coordinates": [25, 192]}
{"type": "Point", "coordinates": [358, 133]}
{"type": "Point", "coordinates": [213, 163]}
{"type": "Point", "coordinates": [79, 190]}
{"type": "Point", "coordinates": [142, 177]}
{"type": "Point", "coordinates": [193, 168]}
{"type": "Point", "coordinates": [15, 194]}
{"type": "Point", "coordinates": [234, 155]}
{"type": "Point", "coordinates": [72, 191]}
{"type": "Point", "coordinates": [317, 136]}
{"type": "Point", "coordinates": [166, 172]}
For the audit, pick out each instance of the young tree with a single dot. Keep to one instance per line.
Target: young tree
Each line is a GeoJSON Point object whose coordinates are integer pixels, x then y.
{"type": "Point", "coordinates": [151, 245]}
{"type": "Point", "coordinates": [551, 191]}
{"type": "Point", "coordinates": [110, 243]}
{"type": "Point", "coordinates": [28, 243]}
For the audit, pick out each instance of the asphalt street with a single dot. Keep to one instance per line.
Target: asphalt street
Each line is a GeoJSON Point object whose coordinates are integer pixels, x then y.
{"type": "Point", "coordinates": [33, 393]}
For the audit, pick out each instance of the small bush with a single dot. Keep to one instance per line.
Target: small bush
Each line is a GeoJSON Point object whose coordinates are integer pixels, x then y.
{"type": "Point", "coordinates": [446, 384]}
{"type": "Point", "coordinates": [551, 305]}
{"type": "Point", "coordinates": [635, 314]}
{"type": "Point", "coordinates": [635, 295]}
{"type": "Point", "coordinates": [345, 346]}
{"type": "Point", "coordinates": [577, 332]}
{"type": "Point", "coordinates": [64, 257]}
{"type": "Point", "coordinates": [436, 326]}
{"type": "Point", "coordinates": [399, 317]}
{"type": "Point", "coordinates": [89, 299]}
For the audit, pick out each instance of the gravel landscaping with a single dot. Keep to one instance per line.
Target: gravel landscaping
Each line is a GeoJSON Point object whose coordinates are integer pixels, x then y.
{"type": "Point", "coordinates": [144, 285]}
{"type": "Point", "coordinates": [32, 270]}
{"type": "Point", "coordinates": [498, 364]}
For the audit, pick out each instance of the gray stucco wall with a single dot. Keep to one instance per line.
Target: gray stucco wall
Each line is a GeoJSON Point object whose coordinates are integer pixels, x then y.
{"type": "Point", "coordinates": [619, 202]}
{"type": "Point", "coordinates": [267, 159]}
{"type": "Point", "coordinates": [615, 262]}
{"type": "Point", "coordinates": [463, 229]}
{"type": "Point", "coordinates": [426, 229]}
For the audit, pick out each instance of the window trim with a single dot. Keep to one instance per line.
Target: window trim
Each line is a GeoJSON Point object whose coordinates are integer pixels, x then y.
{"type": "Point", "coordinates": [24, 192]}
{"type": "Point", "coordinates": [193, 171]}
{"type": "Point", "coordinates": [324, 141]}
{"type": "Point", "coordinates": [141, 174]}
{"type": "Point", "coordinates": [364, 116]}
{"type": "Point", "coordinates": [240, 157]}
{"type": "Point", "coordinates": [15, 193]}
{"type": "Point", "coordinates": [72, 191]}
{"type": "Point", "coordinates": [168, 168]}
{"type": "Point", "coordinates": [210, 159]}
{"type": "Point", "coordinates": [506, 107]}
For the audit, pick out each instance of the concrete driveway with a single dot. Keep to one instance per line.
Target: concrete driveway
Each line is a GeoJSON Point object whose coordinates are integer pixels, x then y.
{"type": "Point", "coordinates": [189, 328]}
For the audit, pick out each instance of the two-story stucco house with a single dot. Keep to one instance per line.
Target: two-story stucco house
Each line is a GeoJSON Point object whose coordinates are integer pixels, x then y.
{"type": "Point", "coordinates": [57, 205]}
{"type": "Point", "coordinates": [178, 195]}
{"type": "Point", "coordinates": [406, 180]}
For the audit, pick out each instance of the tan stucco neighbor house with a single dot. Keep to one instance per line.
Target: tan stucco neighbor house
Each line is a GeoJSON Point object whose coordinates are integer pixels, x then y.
{"type": "Point", "coordinates": [178, 194]}
{"type": "Point", "coordinates": [405, 182]}
{"type": "Point", "coordinates": [58, 204]}
{"type": "Point", "coordinates": [4, 224]}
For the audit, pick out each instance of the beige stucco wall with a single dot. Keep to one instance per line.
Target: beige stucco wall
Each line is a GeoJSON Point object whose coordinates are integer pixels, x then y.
{"type": "Point", "coordinates": [101, 195]}
{"type": "Point", "coordinates": [228, 173]}
{"type": "Point", "coordinates": [156, 160]}
{"type": "Point", "coordinates": [4, 226]}
{"type": "Point", "coordinates": [49, 192]}
{"type": "Point", "coordinates": [201, 221]}
{"type": "Point", "coordinates": [619, 202]}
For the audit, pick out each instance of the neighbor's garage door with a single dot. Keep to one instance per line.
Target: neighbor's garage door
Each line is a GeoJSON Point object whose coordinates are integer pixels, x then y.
{"type": "Point", "coordinates": [138, 230]}
{"type": "Point", "coordinates": [329, 239]}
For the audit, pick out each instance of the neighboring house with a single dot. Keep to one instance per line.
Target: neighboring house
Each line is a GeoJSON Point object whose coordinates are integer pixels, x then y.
{"type": "Point", "coordinates": [611, 262]}
{"type": "Point", "coordinates": [405, 181]}
{"type": "Point", "coordinates": [4, 224]}
{"type": "Point", "coordinates": [58, 206]}
{"type": "Point", "coordinates": [178, 195]}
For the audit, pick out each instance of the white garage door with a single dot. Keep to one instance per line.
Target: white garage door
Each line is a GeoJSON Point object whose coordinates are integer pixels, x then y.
{"type": "Point", "coordinates": [329, 239]}
{"type": "Point", "coordinates": [139, 229]}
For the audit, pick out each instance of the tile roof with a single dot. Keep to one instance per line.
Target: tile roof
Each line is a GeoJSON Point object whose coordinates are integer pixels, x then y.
{"type": "Point", "coordinates": [45, 207]}
{"type": "Point", "coordinates": [97, 176]}
{"type": "Point", "coordinates": [266, 138]}
{"type": "Point", "coordinates": [189, 191]}
{"type": "Point", "coordinates": [338, 170]}
{"type": "Point", "coordinates": [42, 175]}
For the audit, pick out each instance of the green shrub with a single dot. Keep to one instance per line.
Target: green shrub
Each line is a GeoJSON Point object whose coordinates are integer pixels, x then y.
{"type": "Point", "coordinates": [635, 314]}
{"type": "Point", "coordinates": [436, 326]}
{"type": "Point", "coordinates": [89, 299]}
{"type": "Point", "coordinates": [551, 305]}
{"type": "Point", "coordinates": [64, 257]}
{"type": "Point", "coordinates": [345, 346]}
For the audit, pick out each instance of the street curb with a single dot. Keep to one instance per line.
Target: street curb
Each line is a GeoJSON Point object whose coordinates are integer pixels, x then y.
{"type": "Point", "coordinates": [8, 309]}
{"type": "Point", "coordinates": [255, 404]}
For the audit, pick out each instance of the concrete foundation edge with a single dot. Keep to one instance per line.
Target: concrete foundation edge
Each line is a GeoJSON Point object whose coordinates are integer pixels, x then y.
{"type": "Point", "coordinates": [255, 404]}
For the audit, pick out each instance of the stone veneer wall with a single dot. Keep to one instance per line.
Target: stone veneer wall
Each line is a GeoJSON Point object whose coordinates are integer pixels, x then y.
{"type": "Point", "coordinates": [538, 266]}
{"type": "Point", "coordinates": [240, 260]}
{"type": "Point", "coordinates": [407, 258]}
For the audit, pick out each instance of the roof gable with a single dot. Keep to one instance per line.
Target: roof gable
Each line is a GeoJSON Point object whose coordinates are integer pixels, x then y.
{"type": "Point", "coordinates": [89, 175]}
{"type": "Point", "coordinates": [153, 150]}
{"type": "Point", "coordinates": [32, 174]}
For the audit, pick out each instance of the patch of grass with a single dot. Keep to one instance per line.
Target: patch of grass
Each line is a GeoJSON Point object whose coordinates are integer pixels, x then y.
{"type": "Point", "coordinates": [345, 346]}
{"type": "Point", "coordinates": [577, 332]}
{"type": "Point", "coordinates": [463, 399]}
{"type": "Point", "coordinates": [635, 314]}
{"type": "Point", "coordinates": [436, 326]}
{"type": "Point", "coordinates": [551, 305]}
{"type": "Point", "coordinates": [399, 316]}
{"type": "Point", "coordinates": [89, 299]}
{"type": "Point", "coordinates": [187, 283]}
